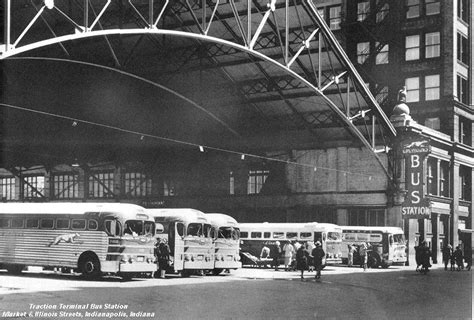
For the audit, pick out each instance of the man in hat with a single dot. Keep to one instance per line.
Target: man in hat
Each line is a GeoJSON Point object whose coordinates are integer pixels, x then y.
{"type": "Point", "coordinates": [276, 253]}
{"type": "Point", "coordinates": [318, 258]}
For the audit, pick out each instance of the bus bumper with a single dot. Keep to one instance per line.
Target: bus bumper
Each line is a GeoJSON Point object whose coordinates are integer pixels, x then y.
{"type": "Point", "coordinates": [228, 265]}
{"type": "Point", "coordinates": [137, 267]}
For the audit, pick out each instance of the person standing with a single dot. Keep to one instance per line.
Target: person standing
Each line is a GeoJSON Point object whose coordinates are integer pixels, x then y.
{"type": "Point", "coordinates": [275, 254]}
{"type": "Point", "coordinates": [447, 252]}
{"type": "Point", "coordinates": [288, 252]}
{"type": "Point", "coordinates": [350, 255]}
{"type": "Point", "coordinates": [318, 257]}
{"type": "Point", "coordinates": [459, 257]}
{"type": "Point", "coordinates": [163, 257]}
{"type": "Point", "coordinates": [363, 255]}
{"type": "Point", "coordinates": [302, 257]}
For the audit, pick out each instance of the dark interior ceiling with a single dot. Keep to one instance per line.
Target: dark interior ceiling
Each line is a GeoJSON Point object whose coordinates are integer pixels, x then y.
{"type": "Point", "coordinates": [133, 96]}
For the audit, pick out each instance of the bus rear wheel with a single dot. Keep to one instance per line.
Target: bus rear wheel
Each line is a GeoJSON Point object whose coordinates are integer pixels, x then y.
{"type": "Point", "coordinates": [90, 266]}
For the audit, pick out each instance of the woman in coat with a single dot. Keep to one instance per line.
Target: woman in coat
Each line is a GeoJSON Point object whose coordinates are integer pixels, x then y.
{"type": "Point", "coordinates": [302, 257]}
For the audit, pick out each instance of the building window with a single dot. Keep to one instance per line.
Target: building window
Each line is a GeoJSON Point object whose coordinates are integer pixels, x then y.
{"type": "Point", "coordinates": [363, 9]}
{"type": "Point", "coordinates": [432, 45]}
{"type": "Point", "coordinates": [463, 49]}
{"type": "Point", "coordinates": [382, 12]}
{"type": "Point", "coordinates": [444, 179]}
{"type": "Point", "coordinates": [363, 52]}
{"type": "Point", "coordinates": [366, 217]}
{"type": "Point", "coordinates": [137, 184]}
{"type": "Point", "coordinates": [413, 89]}
{"type": "Point", "coordinates": [382, 55]}
{"type": "Point", "coordinates": [433, 123]}
{"type": "Point", "coordinates": [101, 185]}
{"type": "Point", "coordinates": [231, 183]}
{"type": "Point", "coordinates": [412, 47]}
{"type": "Point", "coordinates": [462, 89]}
{"type": "Point", "coordinates": [432, 7]}
{"type": "Point", "coordinates": [465, 183]}
{"type": "Point", "coordinates": [7, 188]}
{"type": "Point", "coordinates": [321, 12]}
{"type": "Point", "coordinates": [335, 18]}
{"type": "Point", "coordinates": [432, 87]}
{"type": "Point", "coordinates": [465, 131]}
{"type": "Point", "coordinates": [169, 188]}
{"type": "Point", "coordinates": [463, 10]}
{"type": "Point", "coordinates": [33, 187]}
{"type": "Point", "coordinates": [65, 186]}
{"type": "Point", "coordinates": [256, 180]}
{"type": "Point", "coordinates": [432, 176]}
{"type": "Point", "coordinates": [413, 8]}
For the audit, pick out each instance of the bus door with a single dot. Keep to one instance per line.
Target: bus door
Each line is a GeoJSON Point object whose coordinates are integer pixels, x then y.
{"type": "Point", "coordinates": [176, 242]}
{"type": "Point", "coordinates": [321, 237]}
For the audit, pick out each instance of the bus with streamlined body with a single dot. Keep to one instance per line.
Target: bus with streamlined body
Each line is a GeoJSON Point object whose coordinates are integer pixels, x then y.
{"type": "Point", "coordinates": [188, 232]}
{"type": "Point", "coordinates": [91, 238]}
{"type": "Point", "coordinates": [387, 245]}
{"type": "Point", "coordinates": [226, 240]}
{"type": "Point", "coordinates": [254, 236]}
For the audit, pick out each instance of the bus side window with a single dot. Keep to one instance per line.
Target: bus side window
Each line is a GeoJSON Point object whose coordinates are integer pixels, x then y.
{"type": "Point", "coordinates": [78, 224]}
{"type": "Point", "coordinates": [255, 235]}
{"type": "Point", "coordinates": [46, 223]}
{"type": "Point", "coordinates": [62, 224]}
{"type": "Point", "coordinates": [267, 235]}
{"type": "Point", "coordinates": [92, 225]}
{"type": "Point", "coordinates": [32, 223]}
{"type": "Point", "coordinates": [17, 223]}
{"type": "Point", "coordinates": [4, 223]}
{"type": "Point", "coordinates": [180, 229]}
{"type": "Point", "coordinates": [244, 234]}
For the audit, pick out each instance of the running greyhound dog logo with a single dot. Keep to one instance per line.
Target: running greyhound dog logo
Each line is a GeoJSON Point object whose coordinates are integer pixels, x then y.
{"type": "Point", "coordinates": [417, 144]}
{"type": "Point", "coordinates": [67, 238]}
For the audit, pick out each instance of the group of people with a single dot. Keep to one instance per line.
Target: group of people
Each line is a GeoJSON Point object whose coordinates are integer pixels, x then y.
{"type": "Point", "coordinates": [456, 258]}
{"type": "Point", "coordinates": [361, 250]}
{"type": "Point", "coordinates": [296, 256]}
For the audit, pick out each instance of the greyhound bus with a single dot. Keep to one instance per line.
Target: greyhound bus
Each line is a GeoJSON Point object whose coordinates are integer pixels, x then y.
{"type": "Point", "coordinates": [254, 236]}
{"type": "Point", "coordinates": [91, 238]}
{"type": "Point", "coordinates": [387, 245]}
{"type": "Point", "coordinates": [226, 239]}
{"type": "Point", "coordinates": [188, 232]}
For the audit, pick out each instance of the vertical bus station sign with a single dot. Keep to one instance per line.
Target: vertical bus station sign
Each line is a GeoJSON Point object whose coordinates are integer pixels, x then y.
{"type": "Point", "coordinates": [415, 206]}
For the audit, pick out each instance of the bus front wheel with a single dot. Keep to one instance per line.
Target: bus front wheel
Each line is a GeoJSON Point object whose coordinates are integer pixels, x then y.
{"type": "Point", "coordinates": [15, 268]}
{"type": "Point", "coordinates": [217, 272]}
{"type": "Point", "coordinates": [90, 266]}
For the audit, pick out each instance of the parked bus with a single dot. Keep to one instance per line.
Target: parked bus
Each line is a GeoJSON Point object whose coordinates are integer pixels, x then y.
{"type": "Point", "coordinates": [92, 238]}
{"type": "Point", "coordinates": [226, 240]}
{"type": "Point", "coordinates": [254, 236]}
{"type": "Point", "coordinates": [387, 245]}
{"type": "Point", "coordinates": [188, 232]}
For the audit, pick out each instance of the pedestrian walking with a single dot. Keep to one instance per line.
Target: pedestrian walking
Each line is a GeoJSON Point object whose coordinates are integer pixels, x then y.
{"type": "Point", "coordinates": [459, 257]}
{"type": "Point", "coordinates": [447, 252]}
{"type": "Point", "coordinates": [418, 257]}
{"type": "Point", "coordinates": [425, 257]}
{"type": "Point", "coordinates": [288, 252]}
{"type": "Point", "coordinates": [302, 257]}
{"type": "Point", "coordinates": [275, 253]}
{"type": "Point", "coordinates": [318, 257]}
{"type": "Point", "coordinates": [350, 254]}
{"type": "Point", "coordinates": [363, 255]}
{"type": "Point", "coordinates": [163, 257]}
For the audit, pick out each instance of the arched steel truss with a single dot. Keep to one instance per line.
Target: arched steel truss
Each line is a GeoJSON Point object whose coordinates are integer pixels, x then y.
{"type": "Point", "coordinates": [295, 25]}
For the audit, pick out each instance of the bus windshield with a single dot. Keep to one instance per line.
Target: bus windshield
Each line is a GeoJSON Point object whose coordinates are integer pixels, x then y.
{"type": "Point", "coordinates": [399, 238]}
{"type": "Point", "coordinates": [225, 233]}
{"type": "Point", "coordinates": [138, 228]}
{"type": "Point", "coordinates": [334, 236]}
{"type": "Point", "coordinates": [195, 229]}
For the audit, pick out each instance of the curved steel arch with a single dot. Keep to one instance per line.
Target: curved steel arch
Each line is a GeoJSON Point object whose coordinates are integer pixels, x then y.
{"type": "Point", "coordinates": [248, 47]}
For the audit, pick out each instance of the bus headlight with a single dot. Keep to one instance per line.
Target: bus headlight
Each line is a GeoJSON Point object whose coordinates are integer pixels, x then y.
{"type": "Point", "coordinates": [186, 257]}
{"type": "Point", "coordinates": [131, 260]}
